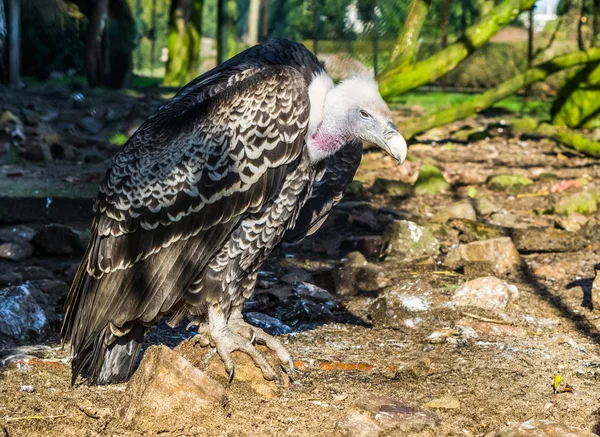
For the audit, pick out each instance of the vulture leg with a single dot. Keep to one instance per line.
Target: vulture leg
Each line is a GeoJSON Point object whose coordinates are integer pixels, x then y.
{"type": "Point", "coordinates": [227, 341]}
{"type": "Point", "coordinates": [257, 335]}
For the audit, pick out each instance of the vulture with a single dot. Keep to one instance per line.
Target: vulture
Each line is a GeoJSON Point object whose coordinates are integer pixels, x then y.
{"type": "Point", "coordinates": [252, 153]}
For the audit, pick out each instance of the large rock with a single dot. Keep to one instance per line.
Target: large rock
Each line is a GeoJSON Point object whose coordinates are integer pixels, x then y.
{"type": "Point", "coordinates": [406, 241]}
{"type": "Point", "coordinates": [498, 256]}
{"type": "Point", "coordinates": [541, 428]}
{"type": "Point", "coordinates": [21, 316]}
{"type": "Point", "coordinates": [16, 234]}
{"type": "Point", "coordinates": [168, 392]}
{"type": "Point", "coordinates": [58, 240]}
{"type": "Point", "coordinates": [430, 181]}
{"type": "Point", "coordinates": [16, 251]}
{"type": "Point", "coordinates": [488, 293]}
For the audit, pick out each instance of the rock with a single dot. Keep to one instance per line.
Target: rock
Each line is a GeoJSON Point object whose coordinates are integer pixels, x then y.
{"type": "Point", "coordinates": [406, 241]}
{"type": "Point", "coordinates": [356, 274]}
{"type": "Point", "coordinates": [469, 230]}
{"type": "Point", "coordinates": [16, 234]}
{"type": "Point", "coordinates": [20, 314]}
{"type": "Point", "coordinates": [460, 210]}
{"type": "Point", "coordinates": [35, 151]}
{"type": "Point", "coordinates": [354, 187]}
{"type": "Point", "coordinates": [295, 276]}
{"type": "Point", "coordinates": [371, 246]}
{"type": "Point", "coordinates": [541, 428]}
{"type": "Point", "coordinates": [484, 206]}
{"type": "Point", "coordinates": [490, 330]}
{"type": "Point", "coordinates": [270, 324]}
{"type": "Point", "coordinates": [395, 416]}
{"type": "Point", "coordinates": [509, 182]}
{"type": "Point", "coordinates": [392, 187]}
{"type": "Point", "coordinates": [583, 202]}
{"type": "Point", "coordinates": [444, 403]}
{"type": "Point", "coordinates": [356, 424]}
{"type": "Point", "coordinates": [58, 240]}
{"type": "Point", "coordinates": [507, 220]}
{"type": "Point", "coordinates": [246, 372]}
{"type": "Point", "coordinates": [497, 255]}
{"type": "Point", "coordinates": [16, 251]}
{"type": "Point", "coordinates": [488, 293]}
{"type": "Point", "coordinates": [370, 220]}
{"type": "Point", "coordinates": [393, 307]}
{"type": "Point", "coordinates": [572, 222]}
{"type": "Point", "coordinates": [27, 388]}
{"type": "Point", "coordinates": [430, 181]}
{"type": "Point", "coordinates": [168, 392]}
{"type": "Point", "coordinates": [90, 124]}
{"type": "Point", "coordinates": [547, 240]}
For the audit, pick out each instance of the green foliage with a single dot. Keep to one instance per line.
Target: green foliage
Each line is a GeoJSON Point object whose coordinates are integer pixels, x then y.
{"type": "Point", "coordinates": [118, 139]}
{"type": "Point", "coordinates": [577, 105]}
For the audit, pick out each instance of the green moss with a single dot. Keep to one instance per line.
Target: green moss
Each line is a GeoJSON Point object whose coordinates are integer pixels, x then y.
{"type": "Point", "coordinates": [430, 181]}
{"type": "Point", "coordinates": [578, 102]}
{"type": "Point", "coordinates": [393, 187]}
{"type": "Point", "coordinates": [354, 187]}
{"type": "Point", "coordinates": [526, 124]}
{"type": "Point", "coordinates": [584, 202]}
{"type": "Point", "coordinates": [118, 139]}
{"type": "Point", "coordinates": [508, 182]}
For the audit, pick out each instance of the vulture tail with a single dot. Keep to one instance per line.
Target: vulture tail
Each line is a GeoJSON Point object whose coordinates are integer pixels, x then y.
{"type": "Point", "coordinates": [109, 362]}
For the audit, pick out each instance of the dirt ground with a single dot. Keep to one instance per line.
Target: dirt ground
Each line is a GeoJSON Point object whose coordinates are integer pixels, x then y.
{"type": "Point", "coordinates": [502, 375]}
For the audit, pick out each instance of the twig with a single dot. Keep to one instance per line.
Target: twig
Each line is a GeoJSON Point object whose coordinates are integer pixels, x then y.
{"type": "Point", "coordinates": [485, 319]}
{"type": "Point", "coordinates": [16, 419]}
{"type": "Point", "coordinates": [308, 399]}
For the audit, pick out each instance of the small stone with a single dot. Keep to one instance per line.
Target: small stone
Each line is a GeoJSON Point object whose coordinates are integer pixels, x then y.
{"type": "Point", "coordinates": [27, 388]}
{"type": "Point", "coordinates": [406, 241]}
{"type": "Point", "coordinates": [488, 293]}
{"type": "Point", "coordinates": [90, 124]}
{"type": "Point", "coordinates": [497, 255]}
{"type": "Point", "coordinates": [444, 403]}
{"type": "Point", "coordinates": [392, 187]}
{"type": "Point", "coordinates": [507, 220]}
{"type": "Point", "coordinates": [583, 202]}
{"type": "Point", "coordinates": [459, 210]}
{"type": "Point", "coordinates": [168, 392]}
{"type": "Point", "coordinates": [541, 428]}
{"type": "Point", "coordinates": [269, 324]}
{"type": "Point", "coordinates": [572, 223]}
{"type": "Point", "coordinates": [356, 274]}
{"type": "Point", "coordinates": [58, 240]}
{"type": "Point", "coordinates": [441, 336]}
{"type": "Point", "coordinates": [397, 416]}
{"type": "Point", "coordinates": [430, 181]}
{"type": "Point", "coordinates": [356, 424]}
{"type": "Point", "coordinates": [509, 182]}
{"type": "Point", "coordinates": [16, 251]}
{"type": "Point", "coordinates": [484, 207]}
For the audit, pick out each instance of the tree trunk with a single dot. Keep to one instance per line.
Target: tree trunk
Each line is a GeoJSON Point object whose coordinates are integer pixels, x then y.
{"type": "Point", "coordinates": [153, 37]}
{"type": "Point", "coordinates": [253, 17]}
{"type": "Point", "coordinates": [14, 41]}
{"type": "Point", "coordinates": [315, 25]}
{"type": "Point", "coordinates": [94, 38]}
{"type": "Point", "coordinates": [405, 52]}
{"type": "Point", "coordinates": [221, 31]}
{"type": "Point", "coordinates": [138, 19]}
{"type": "Point", "coordinates": [398, 80]}
{"type": "Point", "coordinates": [483, 101]}
{"type": "Point", "coordinates": [265, 20]}
{"type": "Point", "coordinates": [184, 37]}
{"type": "Point", "coordinates": [595, 23]}
{"type": "Point", "coordinates": [444, 23]}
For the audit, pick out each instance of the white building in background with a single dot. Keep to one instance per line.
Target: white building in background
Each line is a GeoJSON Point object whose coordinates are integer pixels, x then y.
{"type": "Point", "coordinates": [545, 11]}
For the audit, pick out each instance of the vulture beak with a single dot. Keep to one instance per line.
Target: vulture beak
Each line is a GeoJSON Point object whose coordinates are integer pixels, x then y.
{"type": "Point", "coordinates": [394, 143]}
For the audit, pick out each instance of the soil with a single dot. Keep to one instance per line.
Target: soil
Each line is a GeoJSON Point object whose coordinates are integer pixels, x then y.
{"type": "Point", "coordinates": [505, 375]}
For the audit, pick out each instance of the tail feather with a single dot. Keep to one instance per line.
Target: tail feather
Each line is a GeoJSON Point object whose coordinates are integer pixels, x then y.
{"type": "Point", "coordinates": [110, 359]}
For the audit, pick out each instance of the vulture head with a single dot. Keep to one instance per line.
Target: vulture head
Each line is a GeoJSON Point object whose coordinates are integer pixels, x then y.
{"type": "Point", "coordinates": [353, 110]}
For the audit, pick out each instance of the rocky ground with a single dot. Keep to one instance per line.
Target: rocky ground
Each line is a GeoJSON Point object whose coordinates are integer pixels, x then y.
{"type": "Point", "coordinates": [453, 295]}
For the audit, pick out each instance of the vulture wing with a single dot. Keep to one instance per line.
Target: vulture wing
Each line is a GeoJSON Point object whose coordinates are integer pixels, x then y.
{"type": "Point", "coordinates": [338, 172]}
{"type": "Point", "coordinates": [175, 192]}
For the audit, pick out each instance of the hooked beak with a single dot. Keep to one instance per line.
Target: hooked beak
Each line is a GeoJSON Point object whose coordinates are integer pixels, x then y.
{"type": "Point", "coordinates": [394, 143]}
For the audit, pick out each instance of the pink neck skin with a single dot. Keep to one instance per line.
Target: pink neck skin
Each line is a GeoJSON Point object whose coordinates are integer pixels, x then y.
{"type": "Point", "coordinates": [327, 143]}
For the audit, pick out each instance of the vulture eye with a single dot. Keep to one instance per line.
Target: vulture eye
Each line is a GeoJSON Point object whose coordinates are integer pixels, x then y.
{"type": "Point", "coordinates": [364, 114]}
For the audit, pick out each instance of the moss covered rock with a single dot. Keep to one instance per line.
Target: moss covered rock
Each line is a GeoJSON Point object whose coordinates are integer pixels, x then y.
{"type": "Point", "coordinates": [583, 202]}
{"type": "Point", "coordinates": [390, 186]}
{"type": "Point", "coordinates": [354, 187]}
{"type": "Point", "coordinates": [509, 182]}
{"type": "Point", "coordinates": [430, 181]}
